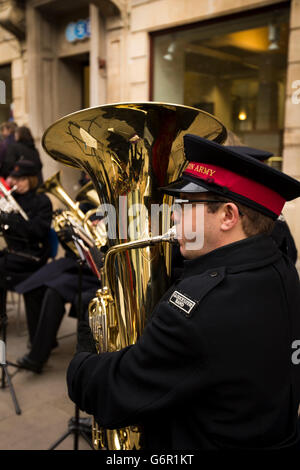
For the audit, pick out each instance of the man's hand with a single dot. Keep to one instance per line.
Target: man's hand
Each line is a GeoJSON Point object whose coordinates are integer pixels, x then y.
{"type": "Point", "coordinates": [85, 340]}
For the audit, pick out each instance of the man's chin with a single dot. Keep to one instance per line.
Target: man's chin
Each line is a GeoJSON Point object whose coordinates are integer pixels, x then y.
{"type": "Point", "coordinates": [189, 254]}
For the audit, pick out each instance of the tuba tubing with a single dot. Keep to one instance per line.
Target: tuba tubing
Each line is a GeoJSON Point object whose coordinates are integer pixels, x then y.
{"type": "Point", "coordinates": [102, 319]}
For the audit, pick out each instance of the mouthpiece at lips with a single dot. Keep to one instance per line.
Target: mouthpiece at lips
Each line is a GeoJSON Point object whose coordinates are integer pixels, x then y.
{"type": "Point", "coordinates": [172, 233]}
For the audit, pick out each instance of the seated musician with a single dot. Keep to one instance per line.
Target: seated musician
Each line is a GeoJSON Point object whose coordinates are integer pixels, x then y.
{"type": "Point", "coordinates": [25, 228]}
{"type": "Point", "coordinates": [46, 294]}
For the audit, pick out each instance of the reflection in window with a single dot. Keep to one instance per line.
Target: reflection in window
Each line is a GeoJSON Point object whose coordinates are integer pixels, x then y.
{"type": "Point", "coordinates": [6, 109]}
{"type": "Point", "coordinates": [234, 69]}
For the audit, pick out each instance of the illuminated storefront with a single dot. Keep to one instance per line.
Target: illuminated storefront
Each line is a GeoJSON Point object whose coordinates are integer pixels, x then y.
{"type": "Point", "coordinates": [234, 68]}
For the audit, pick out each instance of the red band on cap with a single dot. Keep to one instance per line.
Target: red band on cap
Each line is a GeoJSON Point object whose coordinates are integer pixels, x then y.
{"type": "Point", "coordinates": [5, 183]}
{"type": "Point", "coordinates": [238, 184]}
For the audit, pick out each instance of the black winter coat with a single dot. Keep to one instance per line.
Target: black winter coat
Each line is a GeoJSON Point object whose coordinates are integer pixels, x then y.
{"type": "Point", "coordinates": [213, 368]}
{"type": "Point", "coordinates": [284, 239]}
{"type": "Point", "coordinates": [28, 242]}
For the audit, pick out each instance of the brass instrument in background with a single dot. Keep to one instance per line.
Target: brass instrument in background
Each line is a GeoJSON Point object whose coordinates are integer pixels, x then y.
{"type": "Point", "coordinates": [129, 150]}
{"type": "Point", "coordinates": [88, 194]}
{"type": "Point", "coordinates": [74, 216]}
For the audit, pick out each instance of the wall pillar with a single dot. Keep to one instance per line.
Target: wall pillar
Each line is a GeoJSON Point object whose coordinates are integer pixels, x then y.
{"type": "Point", "coordinates": [97, 58]}
{"type": "Point", "coordinates": [291, 154]}
{"type": "Point", "coordinates": [40, 61]}
{"type": "Point", "coordinates": [43, 91]}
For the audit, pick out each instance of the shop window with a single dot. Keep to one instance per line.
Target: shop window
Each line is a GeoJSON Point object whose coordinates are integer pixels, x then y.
{"type": "Point", "coordinates": [234, 69]}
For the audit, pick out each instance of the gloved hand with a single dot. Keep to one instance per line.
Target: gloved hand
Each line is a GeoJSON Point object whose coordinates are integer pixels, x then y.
{"type": "Point", "coordinates": [65, 234]}
{"type": "Point", "coordinates": [12, 219]}
{"type": "Point", "coordinates": [85, 339]}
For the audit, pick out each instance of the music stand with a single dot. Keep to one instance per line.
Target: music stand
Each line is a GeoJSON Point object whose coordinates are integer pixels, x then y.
{"type": "Point", "coordinates": [3, 314]}
{"type": "Point", "coordinates": [74, 425]}
{"type": "Point", "coordinates": [4, 363]}
{"type": "Point", "coordinates": [5, 374]}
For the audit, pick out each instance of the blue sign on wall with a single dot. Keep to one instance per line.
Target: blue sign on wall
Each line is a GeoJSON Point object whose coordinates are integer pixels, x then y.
{"type": "Point", "coordinates": [78, 31]}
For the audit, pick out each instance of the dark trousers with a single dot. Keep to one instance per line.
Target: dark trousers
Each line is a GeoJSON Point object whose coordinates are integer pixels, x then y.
{"type": "Point", "coordinates": [45, 309]}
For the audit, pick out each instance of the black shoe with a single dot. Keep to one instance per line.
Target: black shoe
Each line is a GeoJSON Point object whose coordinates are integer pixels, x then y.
{"type": "Point", "coordinates": [26, 363]}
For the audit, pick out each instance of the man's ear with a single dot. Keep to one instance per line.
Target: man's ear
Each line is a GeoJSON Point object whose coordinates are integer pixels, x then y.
{"type": "Point", "coordinates": [229, 216]}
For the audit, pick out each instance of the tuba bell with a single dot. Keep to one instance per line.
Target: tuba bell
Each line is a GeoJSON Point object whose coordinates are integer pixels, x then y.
{"type": "Point", "coordinates": [129, 150]}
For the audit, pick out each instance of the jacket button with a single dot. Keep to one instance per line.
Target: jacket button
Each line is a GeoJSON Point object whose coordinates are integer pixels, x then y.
{"type": "Point", "coordinates": [214, 274]}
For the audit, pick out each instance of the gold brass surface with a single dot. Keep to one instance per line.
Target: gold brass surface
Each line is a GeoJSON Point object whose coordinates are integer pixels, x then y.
{"type": "Point", "coordinates": [88, 194]}
{"type": "Point", "coordinates": [74, 215]}
{"type": "Point", "coordinates": [129, 150]}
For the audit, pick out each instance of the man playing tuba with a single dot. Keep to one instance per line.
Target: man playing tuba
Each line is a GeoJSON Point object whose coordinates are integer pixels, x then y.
{"type": "Point", "coordinates": [215, 366]}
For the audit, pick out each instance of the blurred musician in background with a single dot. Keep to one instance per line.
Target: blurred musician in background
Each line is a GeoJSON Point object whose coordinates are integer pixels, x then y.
{"type": "Point", "coordinates": [46, 294]}
{"type": "Point", "coordinates": [23, 148]}
{"type": "Point", "coordinates": [25, 224]}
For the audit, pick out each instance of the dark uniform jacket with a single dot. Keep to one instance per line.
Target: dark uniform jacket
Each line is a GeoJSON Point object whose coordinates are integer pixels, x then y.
{"type": "Point", "coordinates": [284, 239]}
{"type": "Point", "coordinates": [213, 368]}
{"type": "Point", "coordinates": [28, 242]}
{"type": "Point", "coordinates": [4, 145]}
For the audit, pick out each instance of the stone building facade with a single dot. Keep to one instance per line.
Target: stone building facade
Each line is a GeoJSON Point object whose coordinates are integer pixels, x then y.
{"type": "Point", "coordinates": [239, 59]}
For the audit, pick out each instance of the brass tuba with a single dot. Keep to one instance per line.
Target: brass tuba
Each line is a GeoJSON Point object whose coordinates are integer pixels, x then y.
{"type": "Point", "coordinates": [129, 150]}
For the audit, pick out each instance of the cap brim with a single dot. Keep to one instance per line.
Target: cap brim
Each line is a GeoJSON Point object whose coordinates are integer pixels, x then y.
{"type": "Point", "coordinates": [183, 186]}
{"type": "Point", "coordinates": [20, 175]}
{"type": "Point", "coordinates": [260, 155]}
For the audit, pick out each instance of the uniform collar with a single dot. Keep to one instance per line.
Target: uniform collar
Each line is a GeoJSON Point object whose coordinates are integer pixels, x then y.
{"type": "Point", "coordinates": [251, 252]}
{"type": "Point", "coordinates": [28, 194]}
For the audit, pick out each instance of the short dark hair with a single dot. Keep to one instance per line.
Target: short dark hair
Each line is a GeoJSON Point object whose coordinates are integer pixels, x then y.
{"type": "Point", "coordinates": [253, 222]}
{"type": "Point", "coordinates": [24, 135]}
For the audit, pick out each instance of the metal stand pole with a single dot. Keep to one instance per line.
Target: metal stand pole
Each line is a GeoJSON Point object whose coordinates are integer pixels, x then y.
{"type": "Point", "coordinates": [4, 363]}
{"type": "Point", "coordinates": [75, 426]}
{"type": "Point", "coordinates": [6, 375]}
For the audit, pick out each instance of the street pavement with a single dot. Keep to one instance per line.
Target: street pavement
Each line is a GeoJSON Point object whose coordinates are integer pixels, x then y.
{"type": "Point", "coordinates": [43, 399]}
